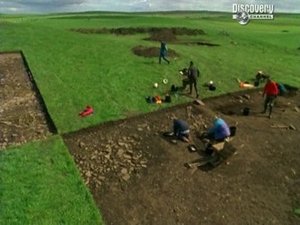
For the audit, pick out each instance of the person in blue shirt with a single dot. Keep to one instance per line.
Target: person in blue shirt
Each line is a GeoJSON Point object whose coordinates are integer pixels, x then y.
{"type": "Point", "coordinates": [163, 52]}
{"type": "Point", "coordinates": [219, 131]}
{"type": "Point", "coordinates": [181, 130]}
{"type": "Point", "coordinates": [282, 89]}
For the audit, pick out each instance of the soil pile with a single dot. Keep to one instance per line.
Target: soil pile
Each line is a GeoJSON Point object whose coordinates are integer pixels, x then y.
{"type": "Point", "coordinates": [162, 35]}
{"type": "Point", "coordinates": [156, 33]}
{"type": "Point", "coordinates": [151, 51]}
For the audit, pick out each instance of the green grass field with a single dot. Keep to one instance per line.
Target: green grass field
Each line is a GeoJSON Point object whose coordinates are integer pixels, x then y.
{"type": "Point", "coordinates": [38, 182]}
{"type": "Point", "coordinates": [40, 185]}
{"type": "Point", "coordinates": [73, 69]}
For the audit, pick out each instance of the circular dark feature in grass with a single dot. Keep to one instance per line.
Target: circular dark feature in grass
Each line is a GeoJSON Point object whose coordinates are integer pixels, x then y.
{"type": "Point", "coordinates": [151, 51]}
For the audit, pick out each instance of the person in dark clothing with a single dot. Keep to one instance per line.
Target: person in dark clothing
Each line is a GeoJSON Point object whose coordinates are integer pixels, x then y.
{"type": "Point", "coordinates": [163, 52]}
{"type": "Point", "coordinates": [270, 93]}
{"type": "Point", "coordinates": [260, 77]}
{"type": "Point", "coordinates": [191, 80]}
{"type": "Point", "coordinates": [181, 130]}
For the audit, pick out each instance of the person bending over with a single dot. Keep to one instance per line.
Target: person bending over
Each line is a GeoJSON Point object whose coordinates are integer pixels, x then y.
{"type": "Point", "coordinates": [219, 131]}
{"type": "Point", "coordinates": [181, 130]}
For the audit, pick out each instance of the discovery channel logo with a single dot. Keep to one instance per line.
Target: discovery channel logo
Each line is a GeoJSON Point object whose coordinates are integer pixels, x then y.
{"type": "Point", "coordinates": [243, 13]}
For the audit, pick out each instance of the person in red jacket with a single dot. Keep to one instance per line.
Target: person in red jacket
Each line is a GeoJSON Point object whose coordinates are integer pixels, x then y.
{"type": "Point", "coordinates": [270, 93]}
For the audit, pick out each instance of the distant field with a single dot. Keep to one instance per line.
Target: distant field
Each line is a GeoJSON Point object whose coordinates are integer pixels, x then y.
{"type": "Point", "coordinates": [73, 69]}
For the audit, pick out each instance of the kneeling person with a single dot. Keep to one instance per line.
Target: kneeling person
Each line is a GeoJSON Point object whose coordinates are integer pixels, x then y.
{"type": "Point", "coordinates": [181, 130]}
{"type": "Point", "coordinates": [216, 134]}
{"type": "Point", "coordinates": [219, 132]}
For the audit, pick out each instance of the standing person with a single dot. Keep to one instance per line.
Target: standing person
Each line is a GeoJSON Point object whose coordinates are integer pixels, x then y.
{"type": "Point", "coordinates": [270, 93]}
{"type": "Point", "coordinates": [193, 74]}
{"type": "Point", "coordinates": [163, 52]}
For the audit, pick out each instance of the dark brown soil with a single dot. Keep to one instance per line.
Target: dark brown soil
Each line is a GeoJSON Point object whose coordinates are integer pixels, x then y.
{"type": "Point", "coordinates": [207, 44]}
{"type": "Point", "coordinates": [137, 176]}
{"type": "Point", "coordinates": [163, 35]}
{"type": "Point", "coordinates": [21, 116]}
{"type": "Point", "coordinates": [154, 51]}
{"type": "Point", "coordinates": [151, 51]}
{"type": "Point", "coordinates": [139, 30]}
{"type": "Point", "coordinates": [156, 33]}
{"type": "Point", "coordinates": [203, 43]}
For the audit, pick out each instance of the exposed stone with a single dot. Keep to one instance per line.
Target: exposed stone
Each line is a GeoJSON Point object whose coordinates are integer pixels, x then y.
{"type": "Point", "coordinates": [136, 137]}
{"type": "Point", "coordinates": [88, 173]}
{"type": "Point", "coordinates": [143, 162]}
{"type": "Point", "coordinates": [121, 143]}
{"type": "Point", "coordinates": [124, 171]}
{"type": "Point", "coordinates": [136, 157]}
{"type": "Point", "coordinates": [246, 96]}
{"type": "Point", "coordinates": [98, 183]}
{"type": "Point", "coordinates": [120, 152]}
{"type": "Point", "coordinates": [126, 156]}
{"type": "Point", "coordinates": [108, 150]}
{"type": "Point", "coordinates": [101, 178]}
{"type": "Point", "coordinates": [198, 102]}
{"type": "Point", "coordinates": [81, 144]}
{"type": "Point", "coordinates": [126, 177]}
{"type": "Point", "coordinates": [129, 152]}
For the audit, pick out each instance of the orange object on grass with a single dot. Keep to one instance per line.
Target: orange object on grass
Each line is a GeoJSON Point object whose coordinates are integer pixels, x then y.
{"type": "Point", "coordinates": [245, 85]}
{"type": "Point", "coordinates": [158, 100]}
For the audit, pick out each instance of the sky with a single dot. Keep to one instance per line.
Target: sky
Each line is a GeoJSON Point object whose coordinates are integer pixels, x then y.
{"type": "Point", "coordinates": [48, 6]}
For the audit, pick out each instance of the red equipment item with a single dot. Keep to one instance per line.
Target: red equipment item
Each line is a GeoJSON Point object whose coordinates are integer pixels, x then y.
{"type": "Point", "coordinates": [87, 111]}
